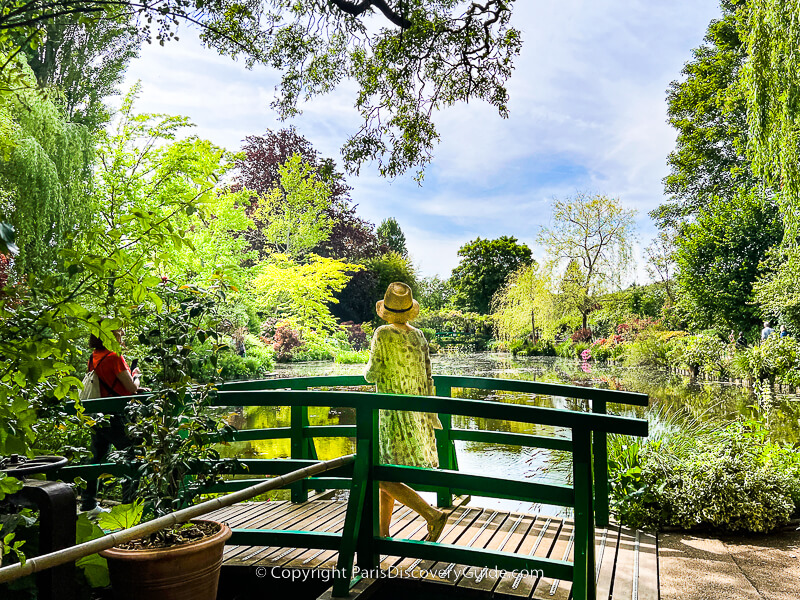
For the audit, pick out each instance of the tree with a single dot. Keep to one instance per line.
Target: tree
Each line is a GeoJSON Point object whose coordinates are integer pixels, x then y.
{"type": "Point", "coordinates": [154, 197]}
{"type": "Point", "coordinates": [777, 292]}
{"type": "Point", "coordinates": [525, 303]}
{"type": "Point", "coordinates": [661, 263]}
{"type": "Point", "coordinates": [719, 258]}
{"type": "Point", "coordinates": [771, 83]}
{"type": "Point", "coordinates": [351, 238]}
{"type": "Point", "coordinates": [294, 210]}
{"type": "Point", "coordinates": [83, 63]}
{"type": "Point", "coordinates": [303, 292]}
{"type": "Point", "coordinates": [708, 111]}
{"type": "Point", "coordinates": [390, 234]}
{"type": "Point", "coordinates": [594, 236]}
{"type": "Point", "coordinates": [485, 265]}
{"type": "Point", "coordinates": [430, 54]}
{"type": "Point", "coordinates": [434, 293]}
{"type": "Point", "coordinates": [45, 174]}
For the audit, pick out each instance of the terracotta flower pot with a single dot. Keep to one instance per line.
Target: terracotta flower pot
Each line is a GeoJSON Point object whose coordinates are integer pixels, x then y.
{"type": "Point", "coordinates": [189, 571]}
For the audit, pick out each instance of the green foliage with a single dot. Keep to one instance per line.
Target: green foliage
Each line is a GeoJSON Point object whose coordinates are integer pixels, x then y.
{"type": "Point", "coordinates": [295, 210]}
{"type": "Point", "coordinates": [388, 268]}
{"type": "Point", "coordinates": [770, 81]}
{"type": "Point", "coordinates": [351, 357]}
{"type": "Point", "coordinates": [447, 51]}
{"type": "Point", "coordinates": [647, 350]}
{"type": "Point", "coordinates": [434, 293]}
{"type": "Point", "coordinates": [778, 291]}
{"type": "Point", "coordinates": [301, 291]}
{"type": "Point", "coordinates": [525, 303]}
{"type": "Point", "coordinates": [158, 201]}
{"type": "Point", "coordinates": [485, 265]}
{"type": "Point", "coordinates": [701, 351]}
{"type": "Point", "coordinates": [719, 256]}
{"type": "Point", "coordinates": [707, 108]}
{"type": "Point", "coordinates": [390, 234]}
{"type": "Point", "coordinates": [454, 320]}
{"type": "Point", "coordinates": [730, 478]}
{"type": "Point", "coordinates": [82, 62]}
{"type": "Point", "coordinates": [593, 237]}
{"type": "Point", "coordinates": [775, 357]}
{"type": "Point", "coordinates": [44, 174]}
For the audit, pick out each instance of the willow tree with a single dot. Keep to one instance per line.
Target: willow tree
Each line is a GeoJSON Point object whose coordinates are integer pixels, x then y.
{"type": "Point", "coordinates": [407, 58]}
{"type": "Point", "coordinates": [771, 79]}
{"type": "Point", "coordinates": [525, 303]}
{"type": "Point", "coordinates": [593, 235]}
{"type": "Point", "coordinates": [45, 173]}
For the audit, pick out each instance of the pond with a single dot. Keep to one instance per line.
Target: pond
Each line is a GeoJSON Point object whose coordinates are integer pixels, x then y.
{"type": "Point", "coordinates": [674, 402]}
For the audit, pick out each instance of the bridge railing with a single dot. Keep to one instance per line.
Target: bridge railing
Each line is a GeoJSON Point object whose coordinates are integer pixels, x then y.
{"type": "Point", "coordinates": [587, 495]}
{"type": "Point", "coordinates": [302, 434]}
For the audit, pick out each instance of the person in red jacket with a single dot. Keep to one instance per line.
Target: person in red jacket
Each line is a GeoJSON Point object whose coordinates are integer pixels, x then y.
{"type": "Point", "coordinates": [116, 379]}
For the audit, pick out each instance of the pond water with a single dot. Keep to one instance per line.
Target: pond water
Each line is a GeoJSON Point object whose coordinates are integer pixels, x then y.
{"type": "Point", "coordinates": [675, 401]}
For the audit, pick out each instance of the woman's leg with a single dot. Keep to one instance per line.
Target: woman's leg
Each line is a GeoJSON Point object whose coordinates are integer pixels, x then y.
{"type": "Point", "coordinates": [386, 508]}
{"type": "Point", "coordinates": [99, 446]}
{"type": "Point", "coordinates": [405, 495]}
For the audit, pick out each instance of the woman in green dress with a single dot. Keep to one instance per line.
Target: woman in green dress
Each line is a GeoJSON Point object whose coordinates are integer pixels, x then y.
{"type": "Point", "coordinates": [399, 363]}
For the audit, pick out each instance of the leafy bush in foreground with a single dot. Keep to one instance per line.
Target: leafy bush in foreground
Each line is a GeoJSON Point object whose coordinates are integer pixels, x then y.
{"type": "Point", "coordinates": [732, 480]}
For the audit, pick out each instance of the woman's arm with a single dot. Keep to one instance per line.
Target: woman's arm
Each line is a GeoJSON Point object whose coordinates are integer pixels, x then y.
{"type": "Point", "coordinates": [130, 384]}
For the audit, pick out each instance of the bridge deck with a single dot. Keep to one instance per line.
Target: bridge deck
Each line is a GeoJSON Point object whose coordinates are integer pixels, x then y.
{"type": "Point", "coordinates": [626, 559]}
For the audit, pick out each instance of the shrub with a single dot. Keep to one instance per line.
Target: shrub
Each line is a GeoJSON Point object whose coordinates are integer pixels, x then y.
{"type": "Point", "coordinates": [581, 335]}
{"type": "Point", "coordinates": [355, 335]}
{"type": "Point", "coordinates": [350, 357]}
{"type": "Point", "coordinates": [257, 350]}
{"type": "Point", "coordinates": [578, 348]}
{"type": "Point", "coordinates": [429, 333]}
{"type": "Point", "coordinates": [564, 350]}
{"type": "Point", "coordinates": [632, 328]}
{"type": "Point", "coordinates": [647, 351]}
{"type": "Point", "coordinates": [729, 479]}
{"type": "Point", "coordinates": [286, 340]}
{"type": "Point", "coordinates": [707, 352]}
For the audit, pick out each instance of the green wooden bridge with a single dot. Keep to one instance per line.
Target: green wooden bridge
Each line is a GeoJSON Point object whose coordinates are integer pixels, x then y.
{"type": "Point", "coordinates": [344, 536]}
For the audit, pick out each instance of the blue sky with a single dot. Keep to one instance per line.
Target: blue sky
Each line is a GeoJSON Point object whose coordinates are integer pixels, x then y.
{"type": "Point", "coordinates": [587, 113]}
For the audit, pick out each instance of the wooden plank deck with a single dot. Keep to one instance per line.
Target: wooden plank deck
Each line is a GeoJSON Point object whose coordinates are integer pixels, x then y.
{"type": "Point", "coordinates": [626, 559]}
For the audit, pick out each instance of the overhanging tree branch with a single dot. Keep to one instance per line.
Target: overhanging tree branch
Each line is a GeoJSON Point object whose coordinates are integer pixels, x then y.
{"type": "Point", "coordinates": [356, 9]}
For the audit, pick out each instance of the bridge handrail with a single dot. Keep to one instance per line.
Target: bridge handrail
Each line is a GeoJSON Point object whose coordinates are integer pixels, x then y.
{"type": "Point", "coordinates": [588, 431]}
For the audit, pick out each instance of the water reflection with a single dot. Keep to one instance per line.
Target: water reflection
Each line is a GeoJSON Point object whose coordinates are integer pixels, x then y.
{"type": "Point", "coordinates": [669, 394]}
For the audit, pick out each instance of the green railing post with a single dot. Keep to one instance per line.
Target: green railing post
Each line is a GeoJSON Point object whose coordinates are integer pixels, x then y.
{"type": "Point", "coordinates": [583, 586]}
{"type": "Point", "coordinates": [445, 448]}
{"type": "Point", "coordinates": [352, 523]}
{"type": "Point", "coordinates": [369, 527]}
{"type": "Point", "coordinates": [299, 448]}
{"type": "Point", "coordinates": [600, 448]}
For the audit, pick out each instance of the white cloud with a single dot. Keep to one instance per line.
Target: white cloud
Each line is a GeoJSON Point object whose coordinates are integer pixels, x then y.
{"type": "Point", "coordinates": [587, 108]}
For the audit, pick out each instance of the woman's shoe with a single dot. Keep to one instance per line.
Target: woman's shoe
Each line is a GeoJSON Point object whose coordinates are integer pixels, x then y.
{"type": "Point", "coordinates": [435, 529]}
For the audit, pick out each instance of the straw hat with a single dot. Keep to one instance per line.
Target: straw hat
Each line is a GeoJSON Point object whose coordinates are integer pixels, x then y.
{"type": "Point", "coordinates": [397, 306]}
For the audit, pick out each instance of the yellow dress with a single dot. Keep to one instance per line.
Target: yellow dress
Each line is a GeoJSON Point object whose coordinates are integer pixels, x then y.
{"type": "Point", "coordinates": [399, 363]}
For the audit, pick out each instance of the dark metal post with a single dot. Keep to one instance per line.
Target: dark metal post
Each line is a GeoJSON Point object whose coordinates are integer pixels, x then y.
{"type": "Point", "coordinates": [57, 518]}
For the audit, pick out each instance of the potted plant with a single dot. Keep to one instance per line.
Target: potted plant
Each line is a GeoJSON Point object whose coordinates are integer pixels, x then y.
{"type": "Point", "coordinates": [172, 455]}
